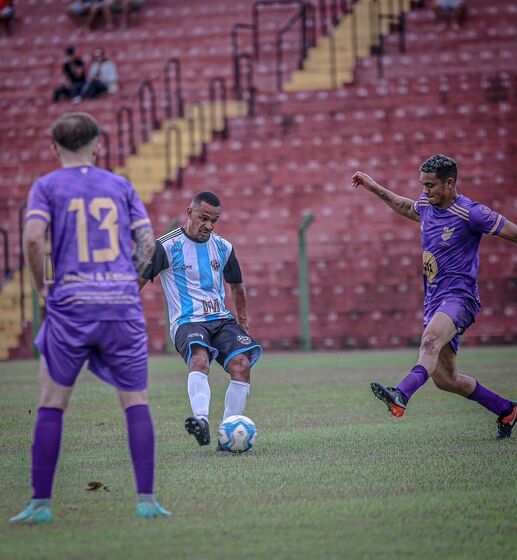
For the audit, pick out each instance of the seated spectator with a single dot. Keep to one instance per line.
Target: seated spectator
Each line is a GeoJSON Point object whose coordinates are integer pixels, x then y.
{"type": "Point", "coordinates": [89, 11]}
{"type": "Point", "coordinates": [126, 7]}
{"type": "Point", "coordinates": [451, 12]}
{"type": "Point", "coordinates": [102, 77]}
{"type": "Point", "coordinates": [7, 15]}
{"type": "Point", "coordinates": [75, 75]}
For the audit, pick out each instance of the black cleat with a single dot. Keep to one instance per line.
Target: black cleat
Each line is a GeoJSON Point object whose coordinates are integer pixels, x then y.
{"type": "Point", "coordinates": [506, 422]}
{"type": "Point", "coordinates": [199, 428]}
{"type": "Point", "coordinates": [391, 397]}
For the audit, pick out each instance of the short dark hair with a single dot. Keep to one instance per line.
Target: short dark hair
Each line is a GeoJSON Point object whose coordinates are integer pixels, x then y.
{"type": "Point", "coordinates": [205, 196]}
{"type": "Point", "coordinates": [73, 131]}
{"type": "Point", "coordinates": [443, 166]}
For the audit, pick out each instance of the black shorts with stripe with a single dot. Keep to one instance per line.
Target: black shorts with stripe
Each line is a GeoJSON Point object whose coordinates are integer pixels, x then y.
{"type": "Point", "coordinates": [223, 338]}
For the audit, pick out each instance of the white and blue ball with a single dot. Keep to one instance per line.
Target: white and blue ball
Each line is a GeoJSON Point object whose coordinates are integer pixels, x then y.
{"type": "Point", "coordinates": [237, 434]}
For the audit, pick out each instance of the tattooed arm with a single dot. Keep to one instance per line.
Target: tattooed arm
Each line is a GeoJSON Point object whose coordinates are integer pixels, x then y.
{"type": "Point", "coordinates": [401, 204]}
{"type": "Point", "coordinates": [144, 248]}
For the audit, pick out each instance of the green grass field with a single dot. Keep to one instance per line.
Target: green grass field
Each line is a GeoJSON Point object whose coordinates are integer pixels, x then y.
{"type": "Point", "coordinates": [331, 475]}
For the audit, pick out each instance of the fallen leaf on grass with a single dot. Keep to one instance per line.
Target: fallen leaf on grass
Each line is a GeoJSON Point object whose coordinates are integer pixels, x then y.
{"type": "Point", "coordinates": [93, 486]}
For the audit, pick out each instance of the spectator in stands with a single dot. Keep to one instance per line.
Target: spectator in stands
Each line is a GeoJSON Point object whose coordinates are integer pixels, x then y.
{"type": "Point", "coordinates": [102, 76]}
{"type": "Point", "coordinates": [89, 11]}
{"type": "Point", "coordinates": [75, 75]}
{"type": "Point", "coordinates": [451, 12]}
{"type": "Point", "coordinates": [7, 15]}
{"type": "Point", "coordinates": [126, 7]}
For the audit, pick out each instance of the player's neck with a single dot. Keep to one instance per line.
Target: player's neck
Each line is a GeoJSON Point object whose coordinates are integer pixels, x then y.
{"type": "Point", "coordinates": [446, 203]}
{"type": "Point", "coordinates": [79, 162]}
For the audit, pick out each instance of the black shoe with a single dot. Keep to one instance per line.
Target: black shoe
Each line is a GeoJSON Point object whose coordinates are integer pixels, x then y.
{"type": "Point", "coordinates": [199, 428]}
{"type": "Point", "coordinates": [506, 422]}
{"type": "Point", "coordinates": [391, 397]}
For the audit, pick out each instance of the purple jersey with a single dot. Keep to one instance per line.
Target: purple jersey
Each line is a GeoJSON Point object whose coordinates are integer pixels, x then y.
{"type": "Point", "coordinates": [92, 214]}
{"type": "Point", "coordinates": [450, 241]}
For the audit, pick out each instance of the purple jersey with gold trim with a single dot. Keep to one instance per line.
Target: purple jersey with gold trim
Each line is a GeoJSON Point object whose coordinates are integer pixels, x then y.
{"type": "Point", "coordinates": [91, 214]}
{"type": "Point", "coordinates": [450, 242]}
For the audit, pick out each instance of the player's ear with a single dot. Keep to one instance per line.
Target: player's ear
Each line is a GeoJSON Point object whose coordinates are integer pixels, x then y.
{"type": "Point", "coordinates": [55, 150]}
{"type": "Point", "coordinates": [189, 212]}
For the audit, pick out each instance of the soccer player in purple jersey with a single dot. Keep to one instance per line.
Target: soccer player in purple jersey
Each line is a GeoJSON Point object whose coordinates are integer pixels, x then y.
{"type": "Point", "coordinates": [93, 309]}
{"type": "Point", "coordinates": [452, 226]}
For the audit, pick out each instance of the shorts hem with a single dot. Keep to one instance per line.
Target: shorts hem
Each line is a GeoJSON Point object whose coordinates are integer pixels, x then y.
{"type": "Point", "coordinates": [241, 351]}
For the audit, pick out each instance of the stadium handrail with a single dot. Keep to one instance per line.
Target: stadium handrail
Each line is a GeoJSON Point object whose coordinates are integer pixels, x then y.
{"type": "Point", "coordinates": [236, 58]}
{"type": "Point", "coordinates": [147, 85]}
{"type": "Point", "coordinates": [196, 105]}
{"type": "Point", "coordinates": [218, 82]}
{"type": "Point", "coordinates": [121, 111]}
{"type": "Point", "coordinates": [106, 150]}
{"type": "Point", "coordinates": [255, 12]}
{"type": "Point", "coordinates": [169, 183]}
{"type": "Point", "coordinates": [398, 21]}
{"type": "Point", "coordinates": [6, 272]}
{"type": "Point", "coordinates": [250, 89]}
{"type": "Point", "coordinates": [178, 92]}
{"type": "Point", "coordinates": [301, 16]}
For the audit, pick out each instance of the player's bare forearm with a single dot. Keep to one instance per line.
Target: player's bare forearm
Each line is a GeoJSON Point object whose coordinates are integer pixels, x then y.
{"type": "Point", "coordinates": [144, 248]}
{"type": "Point", "coordinates": [401, 204]}
{"type": "Point", "coordinates": [34, 252]}
{"type": "Point", "coordinates": [240, 302]}
{"type": "Point", "coordinates": [509, 231]}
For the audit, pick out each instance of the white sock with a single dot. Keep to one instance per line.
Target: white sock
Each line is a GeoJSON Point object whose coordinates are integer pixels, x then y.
{"type": "Point", "coordinates": [199, 393]}
{"type": "Point", "coordinates": [236, 398]}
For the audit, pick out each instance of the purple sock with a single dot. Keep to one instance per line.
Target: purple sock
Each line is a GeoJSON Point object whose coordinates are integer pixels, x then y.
{"type": "Point", "coordinates": [491, 401]}
{"type": "Point", "coordinates": [140, 433]}
{"type": "Point", "coordinates": [413, 381]}
{"type": "Point", "coordinates": [45, 450]}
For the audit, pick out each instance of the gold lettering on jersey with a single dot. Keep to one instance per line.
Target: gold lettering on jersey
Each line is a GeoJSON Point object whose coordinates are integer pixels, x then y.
{"type": "Point", "coordinates": [108, 223]}
{"type": "Point", "coordinates": [430, 266]}
{"type": "Point", "coordinates": [211, 306]}
{"type": "Point", "coordinates": [447, 233]}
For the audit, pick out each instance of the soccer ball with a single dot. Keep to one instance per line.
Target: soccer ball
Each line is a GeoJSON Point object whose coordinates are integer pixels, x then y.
{"type": "Point", "coordinates": [237, 434]}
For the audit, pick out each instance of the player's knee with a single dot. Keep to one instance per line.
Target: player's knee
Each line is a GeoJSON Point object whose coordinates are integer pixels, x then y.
{"type": "Point", "coordinates": [48, 399]}
{"type": "Point", "coordinates": [239, 368]}
{"type": "Point", "coordinates": [429, 344]}
{"type": "Point", "coordinates": [199, 360]}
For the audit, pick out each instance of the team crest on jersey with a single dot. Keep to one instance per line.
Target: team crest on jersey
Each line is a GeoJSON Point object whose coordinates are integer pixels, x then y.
{"type": "Point", "coordinates": [447, 233]}
{"type": "Point", "coordinates": [215, 264]}
{"type": "Point", "coordinates": [244, 339]}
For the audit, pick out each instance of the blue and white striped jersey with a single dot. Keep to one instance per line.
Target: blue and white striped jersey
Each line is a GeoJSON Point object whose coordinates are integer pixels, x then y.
{"type": "Point", "coordinates": [191, 273]}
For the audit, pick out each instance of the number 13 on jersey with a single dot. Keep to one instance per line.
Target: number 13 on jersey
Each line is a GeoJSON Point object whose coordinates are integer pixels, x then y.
{"type": "Point", "coordinates": [109, 223]}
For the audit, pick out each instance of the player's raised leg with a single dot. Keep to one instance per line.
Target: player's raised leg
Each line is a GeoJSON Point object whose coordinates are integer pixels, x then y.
{"type": "Point", "coordinates": [199, 394]}
{"type": "Point", "coordinates": [236, 397]}
{"type": "Point", "coordinates": [439, 332]}
{"type": "Point", "coordinates": [52, 402]}
{"type": "Point", "coordinates": [140, 431]}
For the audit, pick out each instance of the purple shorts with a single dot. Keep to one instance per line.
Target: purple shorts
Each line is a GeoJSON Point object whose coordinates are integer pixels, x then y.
{"type": "Point", "coordinates": [116, 351]}
{"type": "Point", "coordinates": [462, 312]}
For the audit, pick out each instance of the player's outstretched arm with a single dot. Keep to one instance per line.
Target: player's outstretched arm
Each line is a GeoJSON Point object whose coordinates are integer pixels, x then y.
{"type": "Point", "coordinates": [144, 248]}
{"type": "Point", "coordinates": [509, 231]}
{"type": "Point", "coordinates": [34, 251]}
{"type": "Point", "coordinates": [401, 204]}
{"type": "Point", "coordinates": [240, 302]}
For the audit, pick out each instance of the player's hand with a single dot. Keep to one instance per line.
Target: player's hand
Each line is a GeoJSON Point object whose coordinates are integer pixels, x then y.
{"type": "Point", "coordinates": [244, 325]}
{"type": "Point", "coordinates": [360, 179]}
